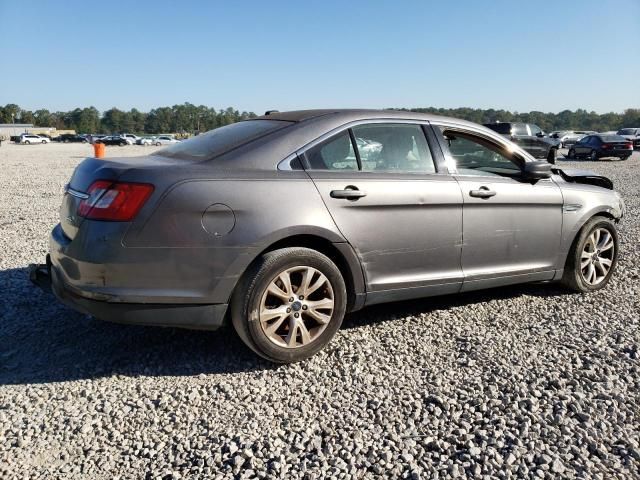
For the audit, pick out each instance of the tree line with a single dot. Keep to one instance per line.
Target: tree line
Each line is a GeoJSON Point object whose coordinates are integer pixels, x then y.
{"type": "Point", "coordinates": [189, 118]}
{"type": "Point", "coordinates": [185, 118]}
{"type": "Point", "coordinates": [564, 120]}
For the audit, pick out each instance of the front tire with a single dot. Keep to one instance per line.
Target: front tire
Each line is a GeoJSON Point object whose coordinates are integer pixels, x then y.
{"type": "Point", "coordinates": [593, 256]}
{"type": "Point", "coordinates": [572, 154]}
{"type": "Point", "coordinates": [27, 142]}
{"type": "Point", "coordinates": [289, 304]}
{"type": "Point", "coordinates": [551, 157]}
{"type": "Point", "coordinates": [593, 156]}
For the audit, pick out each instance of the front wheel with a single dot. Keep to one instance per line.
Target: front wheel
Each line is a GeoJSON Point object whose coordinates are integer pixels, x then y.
{"type": "Point", "coordinates": [44, 141]}
{"type": "Point", "coordinates": [158, 144]}
{"type": "Point", "coordinates": [289, 305]}
{"type": "Point", "coordinates": [593, 256]}
{"type": "Point", "coordinates": [27, 142]}
{"type": "Point", "coordinates": [572, 154]}
{"type": "Point", "coordinates": [593, 156]}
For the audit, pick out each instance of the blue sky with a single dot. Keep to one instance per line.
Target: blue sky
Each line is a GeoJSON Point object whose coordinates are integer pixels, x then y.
{"type": "Point", "coordinates": [540, 55]}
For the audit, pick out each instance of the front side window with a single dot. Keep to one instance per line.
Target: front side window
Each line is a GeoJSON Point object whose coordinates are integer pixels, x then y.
{"type": "Point", "coordinates": [475, 155]}
{"type": "Point", "coordinates": [394, 148]}
{"type": "Point", "coordinates": [520, 129]}
{"type": "Point", "coordinates": [535, 130]}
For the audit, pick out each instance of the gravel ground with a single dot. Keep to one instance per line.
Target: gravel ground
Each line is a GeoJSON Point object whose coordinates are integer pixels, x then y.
{"type": "Point", "coordinates": [522, 382]}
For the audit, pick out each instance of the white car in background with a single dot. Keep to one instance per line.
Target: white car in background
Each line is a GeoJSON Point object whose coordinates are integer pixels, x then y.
{"type": "Point", "coordinates": [146, 141]}
{"type": "Point", "coordinates": [28, 139]}
{"type": "Point", "coordinates": [165, 140]}
{"type": "Point", "coordinates": [130, 138]}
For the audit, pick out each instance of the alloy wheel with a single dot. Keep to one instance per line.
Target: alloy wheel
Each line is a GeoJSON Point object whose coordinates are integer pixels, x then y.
{"type": "Point", "coordinates": [597, 256]}
{"type": "Point", "coordinates": [296, 307]}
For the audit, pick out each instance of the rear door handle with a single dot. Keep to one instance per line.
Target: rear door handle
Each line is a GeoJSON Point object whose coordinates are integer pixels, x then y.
{"type": "Point", "coordinates": [483, 192]}
{"type": "Point", "coordinates": [349, 193]}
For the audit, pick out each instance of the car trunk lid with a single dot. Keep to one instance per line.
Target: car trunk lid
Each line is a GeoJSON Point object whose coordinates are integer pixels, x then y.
{"type": "Point", "coordinates": [92, 169]}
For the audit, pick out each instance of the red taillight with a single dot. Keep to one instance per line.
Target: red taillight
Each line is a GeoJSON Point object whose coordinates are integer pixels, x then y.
{"type": "Point", "coordinates": [116, 201]}
{"type": "Point", "coordinates": [605, 145]}
{"type": "Point", "coordinates": [629, 145]}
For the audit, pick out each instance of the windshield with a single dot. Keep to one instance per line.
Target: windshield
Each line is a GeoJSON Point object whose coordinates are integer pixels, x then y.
{"type": "Point", "coordinates": [216, 142]}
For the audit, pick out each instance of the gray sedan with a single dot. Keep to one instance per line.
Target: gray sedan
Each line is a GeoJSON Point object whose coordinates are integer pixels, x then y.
{"type": "Point", "coordinates": [284, 223]}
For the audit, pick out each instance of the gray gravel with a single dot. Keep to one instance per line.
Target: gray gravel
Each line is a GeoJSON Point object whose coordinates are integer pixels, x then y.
{"type": "Point", "coordinates": [522, 382]}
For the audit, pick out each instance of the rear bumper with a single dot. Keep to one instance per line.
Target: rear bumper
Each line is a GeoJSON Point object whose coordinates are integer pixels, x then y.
{"type": "Point", "coordinates": [193, 316]}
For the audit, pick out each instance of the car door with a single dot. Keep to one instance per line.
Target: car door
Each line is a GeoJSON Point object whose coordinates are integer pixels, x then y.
{"type": "Point", "coordinates": [511, 227]}
{"type": "Point", "coordinates": [582, 146]}
{"type": "Point", "coordinates": [393, 203]}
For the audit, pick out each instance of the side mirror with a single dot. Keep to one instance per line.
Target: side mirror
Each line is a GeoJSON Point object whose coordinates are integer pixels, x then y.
{"type": "Point", "coordinates": [537, 170]}
{"type": "Point", "coordinates": [540, 134]}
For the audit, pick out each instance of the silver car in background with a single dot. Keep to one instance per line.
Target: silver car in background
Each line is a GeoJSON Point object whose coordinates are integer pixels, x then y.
{"type": "Point", "coordinates": [284, 223]}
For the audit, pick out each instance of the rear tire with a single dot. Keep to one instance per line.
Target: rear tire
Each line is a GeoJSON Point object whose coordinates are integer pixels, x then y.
{"type": "Point", "coordinates": [269, 314]}
{"type": "Point", "coordinates": [27, 142]}
{"type": "Point", "coordinates": [44, 141]}
{"type": "Point", "coordinates": [158, 144]}
{"type": "Point", "coordinates": [581, 261]}
{"type": "Point", "coordinates": [572, 154]}
{"type": "Point", "coordinates": [625, 158]}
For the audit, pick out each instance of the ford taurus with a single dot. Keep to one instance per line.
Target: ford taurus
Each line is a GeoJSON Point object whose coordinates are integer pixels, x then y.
{"type": "Point", "coordinates": [283, 223]}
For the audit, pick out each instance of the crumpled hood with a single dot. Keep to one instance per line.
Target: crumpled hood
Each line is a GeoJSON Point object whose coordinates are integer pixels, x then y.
{"type": "Point", "coordinates": [575, 175]}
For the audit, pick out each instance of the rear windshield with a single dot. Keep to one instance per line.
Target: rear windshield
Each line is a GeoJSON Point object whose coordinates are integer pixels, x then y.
{"type": "Point", "coordinates": [216, 142]}
{"type": "Point", "coordinates": [627, 131]}
{"type": "Point", "coordinates": [503, 128]}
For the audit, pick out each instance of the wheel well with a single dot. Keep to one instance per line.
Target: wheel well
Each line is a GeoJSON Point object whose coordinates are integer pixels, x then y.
{"type": "Point", "coordinates": [325, 247]}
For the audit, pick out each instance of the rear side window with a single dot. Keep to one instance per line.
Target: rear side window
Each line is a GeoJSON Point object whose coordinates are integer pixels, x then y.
{"type": "Point", "coordinates": [393, 148]}
{"type": "Point", "coordinates": [376, 147]}
{"type": "Point", "coordinates": [216, 142]}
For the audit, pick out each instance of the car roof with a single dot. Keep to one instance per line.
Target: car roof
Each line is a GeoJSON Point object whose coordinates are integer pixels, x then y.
{"type": "Point", "coordinates": [344, 115]}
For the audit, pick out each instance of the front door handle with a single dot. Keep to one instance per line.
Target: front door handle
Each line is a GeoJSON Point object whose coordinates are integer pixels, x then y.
{"type": "Point", "coordinates": [483, 192]}
{"type": "Point", "coordinates": [349, 193]}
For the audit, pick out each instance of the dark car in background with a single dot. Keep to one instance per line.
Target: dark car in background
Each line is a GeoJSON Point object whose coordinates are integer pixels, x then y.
{"type": "Point", "coordinates": [283, 223]}
{"type": "Point", "coordinates": [632, 134]}
{"type": "Point", "coordinates": [529, 137]}
{"type": "Point", "coordinates": [599, 146]}
{"type": "Point", "coordinates": [113, 140]}
{"type": "Point", "coordinates": [70, 138]}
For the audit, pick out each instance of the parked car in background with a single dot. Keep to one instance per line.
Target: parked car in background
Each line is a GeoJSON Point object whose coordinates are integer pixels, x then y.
{"type": "Point", "coordinates": [146, 141]}
{"type": "Point", "coordinates": [130, 137]}
{"type": "Point", "coordinates": [165, 140]}
{"type": "Point", "coordinates": [71, 138]}
{"type": "Point", "coordinates": [599, 146]}
{"type": "Point", "coordinates": [632, 134]}
{"type": "Point", "coordinates": [113, 140]}
{"type": "Point", "coordinates": [28, 139]}
{"type": "Point", "coordinates": [92, 138]}
{"type": "Point", "coordinates": [529, 137]}
{"type": "Point", "coordinates": [573, 136]}
{"type": "Point", "coordinates": [558, 135]}
{"type": "Point", "coordinates": [281, 225]}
